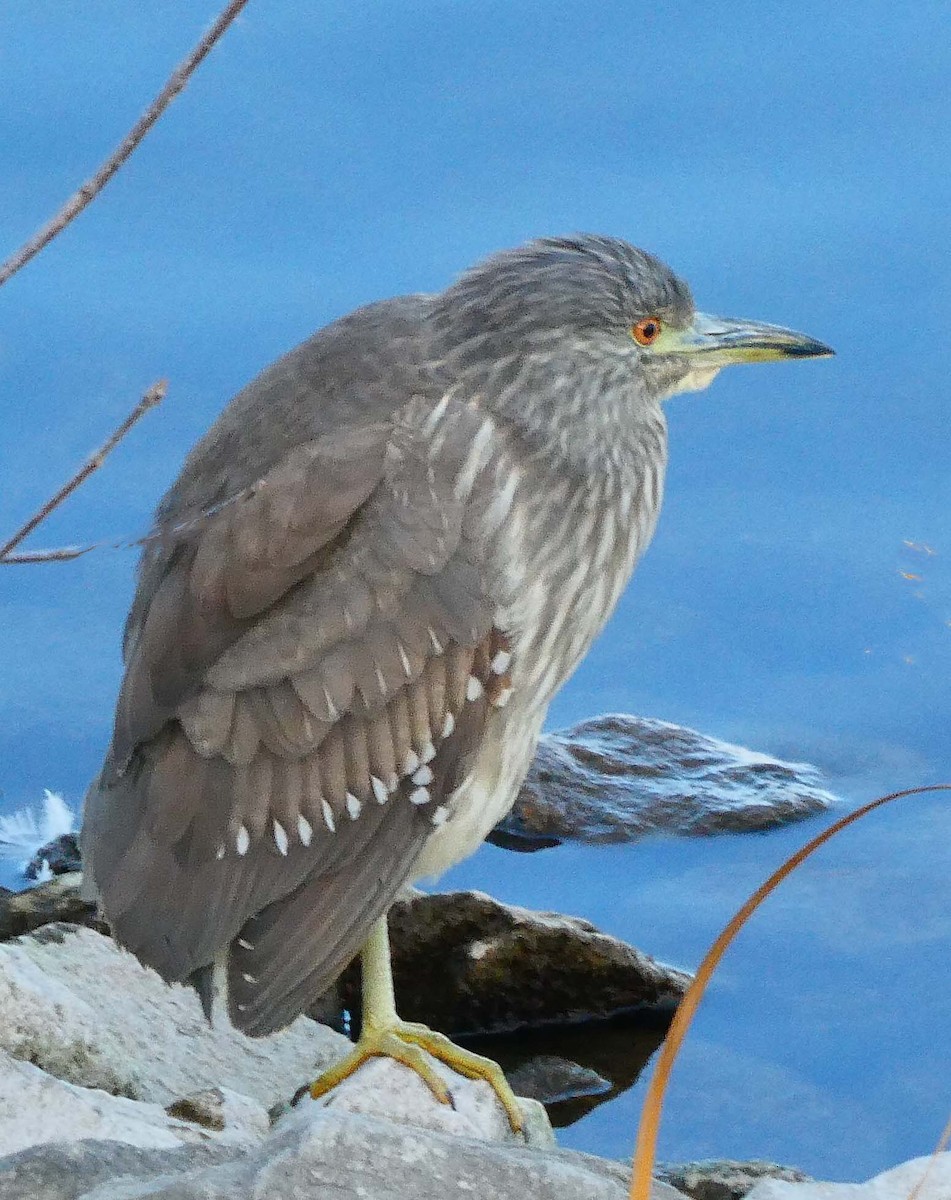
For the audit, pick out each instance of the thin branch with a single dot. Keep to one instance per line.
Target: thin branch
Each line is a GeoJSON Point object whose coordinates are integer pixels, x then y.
{"type": "Point", "coordinates": [92, 187]}
{"type": "Point", "coordinates": [153, 396]}
{"type": "Point", "coordinates": [60, 554]}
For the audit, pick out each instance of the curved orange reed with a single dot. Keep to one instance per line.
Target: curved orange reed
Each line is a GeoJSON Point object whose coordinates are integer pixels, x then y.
{"type": "Point", "coordinates": [646, 1149]}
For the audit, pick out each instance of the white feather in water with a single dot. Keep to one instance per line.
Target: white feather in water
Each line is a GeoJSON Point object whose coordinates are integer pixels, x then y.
{"type": "Point", "coordinates": [26, 831]}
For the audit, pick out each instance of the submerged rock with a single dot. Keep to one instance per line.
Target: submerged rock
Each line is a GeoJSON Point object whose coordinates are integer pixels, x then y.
{"type": "Point", "coordinates": [554, 1080]}
{"type": "Point", "coordinates": [723, 1178]}
{"type": "Point", "coordinates": [618, 778]}
{"type": "Point", "coordinates": [465, 963]}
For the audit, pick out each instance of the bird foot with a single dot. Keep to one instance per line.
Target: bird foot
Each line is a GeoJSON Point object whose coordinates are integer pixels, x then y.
{"type": "Point", "coordinates": [405, 1042]}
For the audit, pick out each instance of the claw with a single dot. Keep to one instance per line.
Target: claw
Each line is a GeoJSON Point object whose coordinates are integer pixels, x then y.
{"type": "Point", "coordinates": [405, 1042]}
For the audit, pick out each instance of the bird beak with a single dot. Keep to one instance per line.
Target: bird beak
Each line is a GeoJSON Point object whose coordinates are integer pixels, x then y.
{"type": "Point", "coordinates": [721, 341]}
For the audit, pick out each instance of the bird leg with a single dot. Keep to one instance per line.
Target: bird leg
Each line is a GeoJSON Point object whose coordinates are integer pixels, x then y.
{"type": "Point", "coordinates": [384, 1035]}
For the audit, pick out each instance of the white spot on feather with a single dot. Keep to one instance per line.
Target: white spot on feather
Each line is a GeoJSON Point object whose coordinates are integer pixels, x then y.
{"type": "Point", "coordinates": [440, 816]}
{"type": "Point", "coordinates": [436, 643]}
{"type": "Point", "coordinates": [354, 806]}
{"type": "Point", "coordinates": [280, 837]}
{"type": "Point", "coordinates": [474, 688]}
{"type": "Point", "coordinates": [242, 841]}
{"type": "Point", "coordinates": [404, 659]}
{"type": "Point", "coordinates": [503, 697]}
{"type": "Point", "coordinates": [220, 853]}
{"type": "Point", "coordinates": [419, 796]}
{"type": "Point", "coordinates": [244, 944]}
{"type": "Point", "coordinates": [304, 829]}
{"type": "Point", "coordinates": [248, 978]}
{"type": "Point", "coordinates": [500, 664]}
{"type": "Point", "coordinates": [423, 776]}
{"type": "Point", "coordinates": [448, 725]}
{"type": "Point", "coordinates": [428, 753]}
{"type": "Point", "coordinates": [410, 762]}
{"type": "Point", "coordinates": [328, 815]}
{"type": "Point", "coordinates": [380, 789]}
{"type": "Point", "coordinates": [332, 712]}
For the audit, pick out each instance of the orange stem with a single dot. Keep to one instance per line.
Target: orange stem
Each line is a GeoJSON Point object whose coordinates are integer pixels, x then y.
{"type": "Point", "coordinates": [646, 1149]}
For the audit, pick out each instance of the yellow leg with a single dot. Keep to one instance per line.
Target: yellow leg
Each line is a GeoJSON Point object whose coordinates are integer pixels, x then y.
{"type": "Point", "coordinates": [384, 1035]}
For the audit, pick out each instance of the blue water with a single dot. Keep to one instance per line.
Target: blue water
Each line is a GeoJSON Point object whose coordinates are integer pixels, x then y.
{"type": "Point", "coordinates": [793, 163]}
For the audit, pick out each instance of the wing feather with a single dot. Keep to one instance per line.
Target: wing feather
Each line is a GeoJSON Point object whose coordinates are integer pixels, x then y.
{"type": "Point", "coordinates": [306, 686]}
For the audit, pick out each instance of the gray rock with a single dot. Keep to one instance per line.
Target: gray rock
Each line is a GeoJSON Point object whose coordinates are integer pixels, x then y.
{"type": "Point", "coordinates": [724, 1179]}
{"type": "Point", "coordinates": [60, 856]}
{"type": "Point", "coordinates": [617, 778]}
{"type": "Point", "coordinates": [70, 1170]}
{"type": "Point", "coordinates": [85, 1011]}
{"type": "Point", "coordinates": [36, 1107]}
{"type": "Point", "coordinates": [924, 1178]}
{"type": "Point", "coordinates": [58, 899]}
{"type": "Point", "coordinates": [610, 1052]}
{"type": "Point", "coordinates": [465, 963]}
{"type": "Point", "coordinates": [414, 1147]}
{"type": "Point", "coordinates": [553, 1080]}
{"type": "Point", "coordinates": [326, 1154]}
{"type": "Point", "coordinates": [386, 1089]}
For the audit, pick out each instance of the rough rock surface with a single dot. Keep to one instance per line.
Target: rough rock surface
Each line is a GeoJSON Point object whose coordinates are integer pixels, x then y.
{"type": "Point", "coordinates": [316, 1152]}
{"type": "Point", "coordinates": [389, 1091]}
{"type": "Point", "coordinates": [897, 1184]}
{"type": "Point", "coordinates": [58, 856]}
{"type": "Point", "coordinates": [554, 1080]}
{"type": "Point", "coordinates": [35, 1107]}
{"type": "Point", "coordinates": [465, 963]}
{"type": "Point", "coordinates": [617, 778]}
{"type": "Point", "coordinates": [724, 1179]}
{"type": "Point", "coordinates": [85, 1011]}
{"type": "Point", "coordinates": [58, 899]}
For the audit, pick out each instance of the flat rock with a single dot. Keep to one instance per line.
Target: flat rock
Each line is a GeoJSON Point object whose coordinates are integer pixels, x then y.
{"type": "Point", "coordinates": [618, 778]}
{"type": "Point", "coordinates": [85, 1011]}
{"type": "Point", "coordinates": [897, 1184]}
{"type": "Point", "coordinates": [465, 963]}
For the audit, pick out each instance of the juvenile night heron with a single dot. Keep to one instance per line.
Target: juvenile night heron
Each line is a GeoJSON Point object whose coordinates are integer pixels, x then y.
{"type": "Point", "coordinates": [370, 579]}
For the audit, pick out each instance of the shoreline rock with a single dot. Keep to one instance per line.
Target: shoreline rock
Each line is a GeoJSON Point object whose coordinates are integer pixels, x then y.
{"type": "Point", "coordinates": [617, 778]}
{"type": "Point", "coordinates": [467, 964]}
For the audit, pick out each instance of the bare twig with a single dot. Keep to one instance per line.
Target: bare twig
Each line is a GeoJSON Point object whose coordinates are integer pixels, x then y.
{"type": "Point", "coordinates": [60, 554]}
{"type": "Point", "coordinates": [92, 187]}
{"type": "Point", "coordinates": [152, 397]}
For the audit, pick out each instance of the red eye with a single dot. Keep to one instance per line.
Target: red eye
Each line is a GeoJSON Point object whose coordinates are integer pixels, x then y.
{"type": "Point", "coordinates": [646, 331]}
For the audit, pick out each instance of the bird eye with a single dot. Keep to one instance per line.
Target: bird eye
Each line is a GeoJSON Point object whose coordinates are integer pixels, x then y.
{"type": "Point", "coordinates": [646, 331]}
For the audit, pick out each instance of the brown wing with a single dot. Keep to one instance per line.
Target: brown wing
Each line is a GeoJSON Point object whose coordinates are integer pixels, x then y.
{"type": "Point", "coordinates": [303, 693]}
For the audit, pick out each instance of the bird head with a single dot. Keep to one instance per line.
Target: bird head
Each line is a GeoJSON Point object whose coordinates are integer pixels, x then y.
{"type": "Point", "coordinates": [590, 299]}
